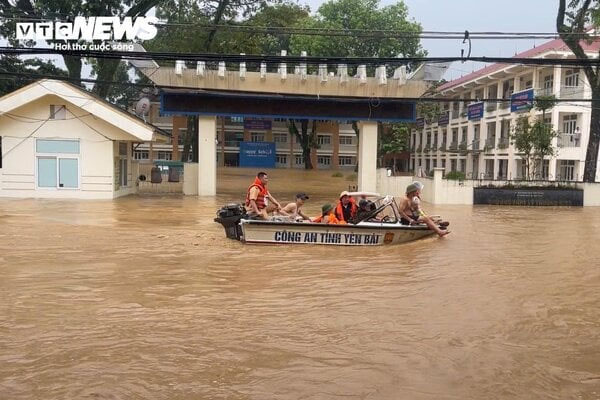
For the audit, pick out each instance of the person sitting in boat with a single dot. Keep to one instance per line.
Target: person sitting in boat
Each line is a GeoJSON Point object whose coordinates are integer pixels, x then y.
{"type": "Point", "coordinates": [294, 209]}
{"type": "Point", "coordinates": [411, 212]}
{"type": "Point", "coordinates": [365, 208]}
{"type": "Point", "coordinates": [258, 196]}
{"type": "Point", "coordinates": [327, 216]}
{"type": "Point", "coordinates": [346, 208]}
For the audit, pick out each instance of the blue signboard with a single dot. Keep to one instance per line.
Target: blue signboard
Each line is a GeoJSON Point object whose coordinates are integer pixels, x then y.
{"type": "Point", "coordinates": [444, 119]}
{"type": "Point", "coordinates": [475, 111]}
{"type": "Point", "coordinates": [257, 154]}
{"type": "Point", "coordinates": [521, 100]}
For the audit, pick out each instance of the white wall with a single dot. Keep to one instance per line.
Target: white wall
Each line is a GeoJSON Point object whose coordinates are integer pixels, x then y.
{"type": "Point", "coordinates": [591, 194]}
{"type": "Point", "coordinates": [190, 179]}
{"type": "Point", "coordinates": [18, 177]}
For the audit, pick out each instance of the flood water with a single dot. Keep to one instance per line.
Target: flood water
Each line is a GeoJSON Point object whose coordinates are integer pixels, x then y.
{"type": "Point", "coordinates": [144, 298]}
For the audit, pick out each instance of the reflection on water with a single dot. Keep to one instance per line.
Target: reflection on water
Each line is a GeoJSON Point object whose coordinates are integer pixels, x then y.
{"type": "Point", "coordinates": [143, 297]}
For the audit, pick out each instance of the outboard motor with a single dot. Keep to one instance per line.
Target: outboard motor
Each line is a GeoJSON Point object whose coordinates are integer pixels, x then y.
{"type": "Point", "coordinates": [229, 216]}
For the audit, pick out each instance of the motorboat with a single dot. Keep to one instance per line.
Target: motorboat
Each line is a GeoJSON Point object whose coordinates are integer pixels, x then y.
{"type": "Point", "coordinates": [380, 226]}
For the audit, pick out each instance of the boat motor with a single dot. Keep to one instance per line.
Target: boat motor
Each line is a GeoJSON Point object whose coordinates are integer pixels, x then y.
{"type": "Point", "coordinates": [229, 216]}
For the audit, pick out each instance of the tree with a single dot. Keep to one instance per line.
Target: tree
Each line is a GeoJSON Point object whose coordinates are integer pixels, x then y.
{"type": "Point", "coordinates": [571, 24]}
{"type": "Point", "coordinates": [534, 142]}
{"type": "Point", "coordinates": [308, 140]}
{"type": "Point", "coordinates": [66, 10]}
{"type": "Point", "coordinates": [394, 138]}
{"type": "Point", "coordinates": [13, 64]}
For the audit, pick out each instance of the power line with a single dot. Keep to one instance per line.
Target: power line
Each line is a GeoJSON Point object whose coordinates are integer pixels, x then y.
{"type": "Point", "coordinates": [313, 60]}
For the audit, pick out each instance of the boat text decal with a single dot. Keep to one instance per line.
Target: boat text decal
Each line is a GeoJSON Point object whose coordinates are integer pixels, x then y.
{"type": "Point", "coordinates": [327, 238]}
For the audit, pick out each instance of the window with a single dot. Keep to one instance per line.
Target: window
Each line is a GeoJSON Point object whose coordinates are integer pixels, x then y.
{"type": "Point", "coordinates": [164, 155]}
{"type": "Point", "coordinates": [57, 164]}
{"type": "Point", "coordinates": [444, 163]}
{"type": "Point", "coordinates": [280, 137]}
{"type": "Point", "coordinates": [58, 111]}
{"type": "Point", "coordinates": [281, 159]}
{"type": "Point", "coordinates": [570, 124]}
{"type": "Point", "coordinates": [257, 137]}
{"type": "Point", "coordinates": [427, 165]}
{"type": "Point", "coordinates": [548, 82]}
{"type": "Point", "coordinates": [346, 140]}
{"type": "Point", "coordinates": [323, 139]}
{"type": "Point", "coordinates": [452, 165]}
{"type": "Point", "coordinates": [299, 160]}
{"type": "Point", "coordinates": [140, 155]}
{"type": "Point", "coordinates": [572, 78]}
{"type": "Point", "coordinates": [462, 166]}
{"type": "Point", "coordinates": [346, 160]}
{"type": "Point", "coordinates": [237, 120]}
{"type": "Point", "coordinates": [324, 160]}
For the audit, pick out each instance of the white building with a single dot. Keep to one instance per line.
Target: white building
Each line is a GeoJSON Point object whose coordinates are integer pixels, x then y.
{"type": "Point", "coordinates": [59, 141]}
{"type": "Point", "coordinates": [480, 146]}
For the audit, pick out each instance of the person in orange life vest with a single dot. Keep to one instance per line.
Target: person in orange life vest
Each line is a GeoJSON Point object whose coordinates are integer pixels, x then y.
{"type": "Point", "coordinates": [256, 198]}
{"type": "Point", "coordinates": [346, 208]}
{"type": "Point", "coordinates": [327, 216]}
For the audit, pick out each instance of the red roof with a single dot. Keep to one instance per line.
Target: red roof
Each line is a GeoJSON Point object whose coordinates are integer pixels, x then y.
{"type": "Point", "coordinates": [552, 45]}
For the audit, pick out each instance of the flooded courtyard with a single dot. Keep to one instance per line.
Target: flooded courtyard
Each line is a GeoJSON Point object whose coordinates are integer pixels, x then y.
{"type": "Point", "coordinates": [144, 298]}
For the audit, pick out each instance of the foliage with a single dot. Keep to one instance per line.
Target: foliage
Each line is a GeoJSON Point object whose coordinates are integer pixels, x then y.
{"type": "Point", "coordinates": [544, 103]}
{"type": "Point", "coordinates": [352, 177]}
{"type": "Point", "coordinates": [534, 141]}
{"type": "Point", "coordinates": [455, 176]}
{"type": "Point", "coordinates": [337, 175]}
{"type": "Point", "coordinates": [394, 138]}
{"type": "Point", "coordinates": [14, 64]}
{"type": "Point", "coordinates": [308, 140]}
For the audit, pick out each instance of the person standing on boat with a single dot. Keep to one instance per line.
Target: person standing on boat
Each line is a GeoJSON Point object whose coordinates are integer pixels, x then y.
{"type": "Point", "coordinates": [256, 198]}
{"type": "Point", "coordinates": [411, 213]}
{"type": "Point", "coordinates": [327, 216]}
{"type": "Point", "coordinates": [294, 210]}
{"type": "Point", "coordinates": [346, 208]}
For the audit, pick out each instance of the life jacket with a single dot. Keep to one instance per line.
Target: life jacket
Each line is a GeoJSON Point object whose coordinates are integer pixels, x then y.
{"type": "Point", "coordinates": [339, 210]}
{"type": "Point", "coordinates": [332, 219]}
{"type": "Point", "coordinates": [260, 199]}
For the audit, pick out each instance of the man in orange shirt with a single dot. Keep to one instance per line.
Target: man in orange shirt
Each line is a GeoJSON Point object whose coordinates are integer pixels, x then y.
{"type": "Point", "coordinates": [257, 198]}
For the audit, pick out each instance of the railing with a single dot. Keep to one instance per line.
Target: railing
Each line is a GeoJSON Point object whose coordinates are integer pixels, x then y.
{"type": "Point", "coordinates": [463, 114]}
{"type": "Point", "coordinates": [503, 143]}
{"type": "Point", "coordinates": [443, 147]}
{"type": "Point", "coordinates": [504, 105]}
{"type": "Point", "coordinates": [462, 146]}
{"type": "Point", "coordinates": [475, 145]}
{"type": "Point", "coordinates": [454, 114]}
{"type": "Point", "coordinates": [569, 140]}
{"type": "Point", "coordinates": [571, 92]}
{"type": "Point", "coordinates": [490, 143]}
{"type": "Point", "coordinates": [426, 149]}
{"type": "Point", "coordinates": [419, 149]}
{"type": "Point", "coordinates": [544, 92]}
{"type": "Point", "coordinates": [491, 107]}
{"type": "Point", "coordinates": [453, 146]}
{"type": "Point", "coordinates": [232, 143]}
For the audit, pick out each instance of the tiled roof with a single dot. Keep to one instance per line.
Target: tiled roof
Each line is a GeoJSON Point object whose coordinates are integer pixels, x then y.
{"type": "Point", "coordinates": [553, 45]}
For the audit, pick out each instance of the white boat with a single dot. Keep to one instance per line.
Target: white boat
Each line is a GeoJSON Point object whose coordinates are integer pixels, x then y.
{"type": "Point", "coordinates": [373, 230]}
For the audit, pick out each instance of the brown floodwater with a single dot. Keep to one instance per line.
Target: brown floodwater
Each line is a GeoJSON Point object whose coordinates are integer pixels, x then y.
{"type": "Point", "coordinates": [144, 298]}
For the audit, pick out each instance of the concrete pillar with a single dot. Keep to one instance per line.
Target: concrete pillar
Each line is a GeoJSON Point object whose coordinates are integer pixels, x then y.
{"type": "Point", "coordinates": [367, 156]}
{"type": "Point", "coordinates": [222, 141]}
{"type": "Point", "coordinates": [207, 156]}
{"type": "Point", "coordinates": [557, 80]}
{"type": "Point", "coordinates": [292, 159]}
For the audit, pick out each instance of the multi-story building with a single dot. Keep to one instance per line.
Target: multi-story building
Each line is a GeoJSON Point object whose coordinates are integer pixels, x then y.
{"type": "Point", "coordinates": [337, 142]}
{"type": "Point", "coordinates": [474, 137]}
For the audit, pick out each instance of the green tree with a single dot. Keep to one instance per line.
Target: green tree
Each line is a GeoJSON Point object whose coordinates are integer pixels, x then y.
{"type": "Point", "coordinates": [13, 64]}
{"type": "Point", "coordinates": [393, 138]}
{"type": "Point", "coordinates": [572, 23]}
{"type": "Point", "coordinates": [308, 140]}
{"type": "Point", "coordinates": [534, 142]}
{"type": "Point", "coordinates": [65, 10]}
{"type": "Point", "coordinates": [358, 14]}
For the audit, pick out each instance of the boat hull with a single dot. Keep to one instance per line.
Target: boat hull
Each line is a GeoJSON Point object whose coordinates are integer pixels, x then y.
{"type": "Point", "coordinates": [368, 234]}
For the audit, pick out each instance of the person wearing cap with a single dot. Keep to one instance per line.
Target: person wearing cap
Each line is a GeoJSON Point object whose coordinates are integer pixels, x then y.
{"type": "Point", "coordinates": [327, 216]}
{"type": "Point", "coordinates": [411, 213]}
{"type": "Point", "coordinates": [346, 208]}
{"type": "Point", "coordinates": [294, 209]}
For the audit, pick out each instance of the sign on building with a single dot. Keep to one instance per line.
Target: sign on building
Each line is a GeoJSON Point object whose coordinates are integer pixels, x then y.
{"type": "Point", "coordinates": [522, 100]}
{"type": "Point", "coordinates": [257, 124]}
{"type": "Point", "coordinates": [475, 111]}
{"type": "Point", "coordinates": [257, 154]}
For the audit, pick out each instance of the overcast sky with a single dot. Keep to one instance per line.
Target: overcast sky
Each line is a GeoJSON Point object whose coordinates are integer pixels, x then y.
{"type": "Point", "coordinates": [478, 15]}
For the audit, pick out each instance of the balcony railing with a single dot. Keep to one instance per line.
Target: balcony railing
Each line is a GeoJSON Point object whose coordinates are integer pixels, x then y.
{"type": "Point", "coordinates": [503, 143]}
{"type": "Point", "coordinates": [462, 146]}
{"type": "Point", "coordinates": [463, 114]}
{"type": "Point", "coordinates": [504, 105]}
{"type": "Point", "coordinates": [475, 145]}
{"type": "Point", "coordinates": [443, 147]}
{"type": "Point", "coordinates": [569, 140]}
{"type": "Point", "coordinates": [426, 149]}
{"type": "Point", "coordinates": [419, 148]}
{"type": "Point", "coordinates": [491, 107]}
{"type": "Point", "coordinates": [571, 92]}
{"type": "Point", "coordinates": [453, 146]}
{"type": "Point", "coordinates": [232, 143]}
{"type": "Point", "coordinates": [454, 114]}
{"type": "Point", "coordinates": [544, 92]}
{"type": "Point", "coordinates": [490, 144]}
